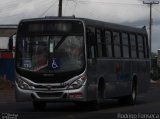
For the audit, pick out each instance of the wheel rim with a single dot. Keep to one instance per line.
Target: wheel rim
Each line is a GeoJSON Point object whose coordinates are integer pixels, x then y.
{"type": "Point", "coordinates": [134, 94]}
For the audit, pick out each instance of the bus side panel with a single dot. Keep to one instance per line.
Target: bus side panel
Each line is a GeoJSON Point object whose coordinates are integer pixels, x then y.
{"type": "Point", "coordinates": [106, 71]}
{"type": "Point", "coordinates": [141, 70]}
{"type": "Point", "coordinates": [91, 81]}
{"type": "Point", "coordinates": [143, 76]}
{"type": "Point", "coordinates": [118, 76]}
{"type": "Point", "coordinates": [101, 69]}
{"type": "Point", "coordinates": [124, 77]}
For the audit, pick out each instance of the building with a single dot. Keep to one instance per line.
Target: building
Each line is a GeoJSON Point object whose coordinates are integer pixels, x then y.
{"type": "Point", "coordinates": [5, 32]}
{"type": "Point", "coordinates": [6, 53]}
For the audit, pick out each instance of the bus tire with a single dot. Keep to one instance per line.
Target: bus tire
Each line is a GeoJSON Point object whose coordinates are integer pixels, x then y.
{"type": "Point", "coordinates": [95, 105]}
{"type": "Point", "coordinates": [39, 106]}
{"type": "Point", "coordinates": [130, 99]}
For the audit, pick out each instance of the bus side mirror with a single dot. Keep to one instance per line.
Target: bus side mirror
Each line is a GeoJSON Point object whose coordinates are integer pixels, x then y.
{"type": "Point", "coordinates": [10, 44]}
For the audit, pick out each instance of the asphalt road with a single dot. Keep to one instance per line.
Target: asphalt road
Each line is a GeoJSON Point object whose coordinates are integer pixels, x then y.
{"type": "Point", "coordinates": [147, 105]}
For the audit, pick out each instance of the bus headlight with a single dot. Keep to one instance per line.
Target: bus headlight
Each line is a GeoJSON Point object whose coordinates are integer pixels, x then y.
{"type": "Point", "coordinates": [22, 84]}
{"type": "Point", "coordinates": [77, 83]}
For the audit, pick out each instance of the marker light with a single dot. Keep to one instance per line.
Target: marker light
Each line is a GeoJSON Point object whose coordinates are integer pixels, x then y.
{"type": "Point", "coordinates": [77, 83]}
{"type": "Point", "coordinates": [22, 84]}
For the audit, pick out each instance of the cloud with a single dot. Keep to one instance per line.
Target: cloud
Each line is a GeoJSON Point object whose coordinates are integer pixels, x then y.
{"type": "Point", "coordinates": [127, 12]}
{"type": "Point", "coordinates": [23, 9]}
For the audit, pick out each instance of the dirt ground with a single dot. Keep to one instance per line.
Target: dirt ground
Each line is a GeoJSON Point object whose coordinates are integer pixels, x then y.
{"type": "Point", "coordinates": [7, 92]}
{"type": "Point", "coordinates": [6, 84]}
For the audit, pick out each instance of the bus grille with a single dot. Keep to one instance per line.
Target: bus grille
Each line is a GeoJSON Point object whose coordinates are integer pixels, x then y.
{"type": "Point", "coordinates": [50, 95]}
{"type": "Point", "coordinates": [41, 87]}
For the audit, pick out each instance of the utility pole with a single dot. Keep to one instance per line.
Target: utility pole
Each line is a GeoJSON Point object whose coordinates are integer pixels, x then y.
{"type": "Point", "coordinates": [150, 22]}
{"type": "Point", "coordinates": [60, 9]}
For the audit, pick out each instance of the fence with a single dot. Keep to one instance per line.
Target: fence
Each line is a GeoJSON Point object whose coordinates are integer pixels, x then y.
{"type": "Point", "coordinates": [7, 63]}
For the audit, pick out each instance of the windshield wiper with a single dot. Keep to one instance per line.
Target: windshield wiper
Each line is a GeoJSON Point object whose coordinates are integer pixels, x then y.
{"type": "Point", "coordinates": [60, 42]}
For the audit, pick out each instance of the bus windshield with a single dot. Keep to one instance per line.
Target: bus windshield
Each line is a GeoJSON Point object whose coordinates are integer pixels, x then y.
{"type": "Point", "coordinates": [49, 53]}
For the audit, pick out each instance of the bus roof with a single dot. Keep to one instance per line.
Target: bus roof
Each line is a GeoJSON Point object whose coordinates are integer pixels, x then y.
{"type": "Point", "coordinates": [113, 26]}
{"type": "Point", "coordinates": [95, 23]}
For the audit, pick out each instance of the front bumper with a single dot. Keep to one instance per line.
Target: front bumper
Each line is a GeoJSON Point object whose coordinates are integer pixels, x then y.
{"type": "Point", "coordinates": [74, 95]}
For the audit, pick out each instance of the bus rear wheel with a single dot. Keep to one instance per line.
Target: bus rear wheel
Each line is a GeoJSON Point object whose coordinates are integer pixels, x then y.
{"type": "Point", "coordinates": [39, 106]}
{"type": "Point", "coordinates": [130, 99]}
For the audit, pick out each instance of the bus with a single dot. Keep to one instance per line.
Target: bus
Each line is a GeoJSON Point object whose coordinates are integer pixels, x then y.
{"type": "Point", "coordinates": [68, 59]}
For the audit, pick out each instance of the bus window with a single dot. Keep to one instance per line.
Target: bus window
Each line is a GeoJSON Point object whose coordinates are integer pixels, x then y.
{"type": "Point", "coordinates": [140, 46]}
{"type": "Point", "coordinates": [133, 46]}
{"type": "Point", "coordinates": [117, 48]}
{"type": "Point", "coordinates": [99, 42]}
{"type": "Point", "coordinates": [91, 49]}
{"type": "Point", "coordinates": [108, 43]}
{"type": "Point", "coordinates": [125, 45]}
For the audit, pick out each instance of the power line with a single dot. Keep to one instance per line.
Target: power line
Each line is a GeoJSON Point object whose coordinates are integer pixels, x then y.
{"type": "Point", "coordinates": [48, 8]}
{"type": "Point", "coordinates": [7, 3]}
{"type": "Point", "coordinates": [157, 12]}
{"type": "Point", "coordinates": [106, 3]}
{"type": "Point", "coordinates": [76, 4]}
{"type": "Point", "coordinates": [7, 10]}
{"type": "Point", "coordinates": [65, 9]}
{"type": "Point", "coordinates": [6, 14]}
{"type": "Point", "coordinates": [14, 3]}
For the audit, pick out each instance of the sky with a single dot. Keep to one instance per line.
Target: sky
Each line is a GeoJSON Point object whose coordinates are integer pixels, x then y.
{"type": "Point", "coordinates": [127, 12]}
